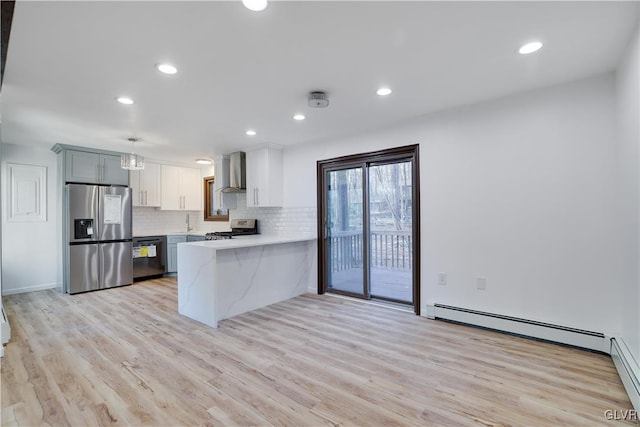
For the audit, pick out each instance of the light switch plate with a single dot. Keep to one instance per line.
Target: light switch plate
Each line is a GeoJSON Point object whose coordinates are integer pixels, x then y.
{"type": "Point", "coordinates": [482, 283]}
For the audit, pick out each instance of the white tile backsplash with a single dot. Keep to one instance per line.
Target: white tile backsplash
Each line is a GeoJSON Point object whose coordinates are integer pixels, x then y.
{"type": "Point", "coordinates": [287, 220]}
{"type": "Point", "coordinates": [151, 221]}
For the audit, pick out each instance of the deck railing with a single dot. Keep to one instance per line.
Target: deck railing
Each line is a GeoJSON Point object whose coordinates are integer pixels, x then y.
{"type": "Point", "coordinates": [389, 249]}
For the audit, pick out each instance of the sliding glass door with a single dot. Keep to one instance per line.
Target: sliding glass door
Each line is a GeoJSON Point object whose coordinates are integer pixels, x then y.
{"type": "Point", "coordinates": [391, 232]}
{"type": "Point", "coordinates": [345, 229]}
{"type": "Point", "coordinates": [369, 227]}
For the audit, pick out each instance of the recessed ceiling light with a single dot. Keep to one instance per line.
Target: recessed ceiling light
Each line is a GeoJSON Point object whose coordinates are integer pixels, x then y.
{"type": "Point", "coordinates": [255, 5]}
{"type": "Point", "coordinates": [529, 48]}
{"type": "Point", "coordinates": [124, 100]}
{"type": "Point", "coordinates": [383, 91]}
{"type": "Point", "coordinates": [203, 161]}
{"type": "Point", "coordinates": [167, 68]}
{"type": "Point", "coordinates": [299, 117]}
{"type": "Point", "coordinates": [251, 132]}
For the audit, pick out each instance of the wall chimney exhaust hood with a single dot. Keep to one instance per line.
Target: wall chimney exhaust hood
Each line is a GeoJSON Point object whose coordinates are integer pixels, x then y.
{"type": "Point", "coordinates": [237, 173]}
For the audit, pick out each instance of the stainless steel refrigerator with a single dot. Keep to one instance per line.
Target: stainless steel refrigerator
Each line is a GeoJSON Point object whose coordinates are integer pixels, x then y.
{"type": "Point", "coordinates": [98, 231]}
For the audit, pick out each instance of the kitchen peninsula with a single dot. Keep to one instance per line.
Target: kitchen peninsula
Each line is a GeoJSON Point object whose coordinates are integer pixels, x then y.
{"type": "Point", "coordinates": [218, 279]}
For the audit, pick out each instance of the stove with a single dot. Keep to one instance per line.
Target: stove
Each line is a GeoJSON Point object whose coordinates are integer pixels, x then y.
{"type": "Point", "coordinates": [218, 235]}
{"type": "Point", "coordinates": [239, 227]}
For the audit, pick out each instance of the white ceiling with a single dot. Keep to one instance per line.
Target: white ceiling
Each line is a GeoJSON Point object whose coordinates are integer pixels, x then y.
{"type": "Point", "coordinates": [238, 69]}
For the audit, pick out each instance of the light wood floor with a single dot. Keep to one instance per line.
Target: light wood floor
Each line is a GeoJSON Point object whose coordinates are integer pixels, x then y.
{"type": "Point", "coordinates": [126, 357]}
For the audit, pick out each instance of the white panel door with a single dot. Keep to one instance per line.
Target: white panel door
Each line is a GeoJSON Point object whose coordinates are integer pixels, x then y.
{"type": "Point", "coordinates": [27, 193]}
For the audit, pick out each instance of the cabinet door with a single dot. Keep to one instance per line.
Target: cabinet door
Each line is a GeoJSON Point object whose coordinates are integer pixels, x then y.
{"type": "Point", "coordinates": [112, 173]}
{"type": "Point", "coordinates": [255, 160]}
{"type": "Point", "coordinates": [82, 167]}
{"type": "Point", "coordinates": [150, 184]}
{"type": "Point", "coordinates": [171, 191]}
{"type": "Point", "coordinates": [172, 258]}
{"type": "Point", "coordinates": [137, 197]}
{"type": "Point", "coordinates": [270, 193]}
{"type": "Point", "coordinates": [264, 178]}
{"type": "Point", "coordinates": [192, 189]}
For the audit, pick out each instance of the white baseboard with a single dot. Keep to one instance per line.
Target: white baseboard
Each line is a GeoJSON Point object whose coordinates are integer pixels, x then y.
{"type": "Point", "coordinates": [33, 288]}
{"type": "Point", "coordinates": [628, 370]}
{"type": "Point", "coordinates": [545, 331]}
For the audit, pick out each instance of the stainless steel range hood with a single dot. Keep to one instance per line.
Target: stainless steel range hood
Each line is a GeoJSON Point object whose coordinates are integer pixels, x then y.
{"type": "Point", "coordinates": [237, 173]}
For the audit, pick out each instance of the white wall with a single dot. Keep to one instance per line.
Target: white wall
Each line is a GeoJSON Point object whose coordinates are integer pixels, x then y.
{"type": "Point", "coordinates": [519, 190]}
{"type": "Point", "coordinates": [30, 249]}
{"type": "Point", "coordinates": [628, 93]}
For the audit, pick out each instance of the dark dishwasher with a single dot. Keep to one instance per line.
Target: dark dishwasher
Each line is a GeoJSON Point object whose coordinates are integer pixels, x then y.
{"type": "Point", "coordinates": [149, 257]}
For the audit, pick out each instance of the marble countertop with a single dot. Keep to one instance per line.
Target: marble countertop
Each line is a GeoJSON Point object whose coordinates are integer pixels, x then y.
{"type": "Point", "coordinates": [255, 240]}
{"type": "Point", "coordinates": [175, 233]}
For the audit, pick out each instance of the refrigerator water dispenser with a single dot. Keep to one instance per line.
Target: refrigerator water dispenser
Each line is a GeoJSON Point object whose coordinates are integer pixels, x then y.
{"type": "Point", "coordinates": [83, 228]}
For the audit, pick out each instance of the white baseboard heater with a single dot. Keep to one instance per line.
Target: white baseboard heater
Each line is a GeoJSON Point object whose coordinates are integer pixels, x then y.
{"type": "Point", "coordinates": [529, 328]}
{"type": "Point", "coordinates": [627, 369]}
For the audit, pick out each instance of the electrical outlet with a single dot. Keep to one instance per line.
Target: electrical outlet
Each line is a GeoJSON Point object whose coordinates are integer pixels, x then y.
{"type": "Point", "coordinates": [442, 279]}
{"type": "Point", "coordinates": [482, 283]}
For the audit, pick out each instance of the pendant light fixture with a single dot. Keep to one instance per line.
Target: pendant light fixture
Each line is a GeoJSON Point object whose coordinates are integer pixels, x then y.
{"type": "Point", "coordinates": [131, 161]}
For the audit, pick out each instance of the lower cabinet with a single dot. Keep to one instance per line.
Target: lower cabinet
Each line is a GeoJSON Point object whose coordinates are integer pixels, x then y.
{"type": "Point", "coordinates": [172, 252]}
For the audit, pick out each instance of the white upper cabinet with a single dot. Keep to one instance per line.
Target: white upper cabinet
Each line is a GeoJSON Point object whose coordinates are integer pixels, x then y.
{"type": "Point", "coordinates": [192, 189]}
{"type": "Point", "coordinates": [145, 185]}
{"type": "Point", "coordinates": [181, 189]}
{"type": "Point", "coordinates": [264, 177]}
{"type": "Point", "coordinates": [94, 168]}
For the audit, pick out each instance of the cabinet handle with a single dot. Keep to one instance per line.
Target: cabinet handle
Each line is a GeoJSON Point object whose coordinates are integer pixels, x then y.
{"type": "Point", "coordinates": [140, 198]}
{"type": "Point", "coordinates": [257, 196]}
{"type": "Point", "coordinates": [146, 198]}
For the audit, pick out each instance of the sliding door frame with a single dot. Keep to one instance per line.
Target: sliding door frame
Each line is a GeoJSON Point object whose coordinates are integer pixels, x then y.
{"type": "Point", "coordinates": [409, 152]}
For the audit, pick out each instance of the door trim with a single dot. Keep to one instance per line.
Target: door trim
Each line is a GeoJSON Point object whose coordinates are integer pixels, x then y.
{"type": "Point", "coordinates": [411, 152]}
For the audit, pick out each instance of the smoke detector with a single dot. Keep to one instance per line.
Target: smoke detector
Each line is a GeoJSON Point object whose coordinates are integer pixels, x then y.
{"type": "Point", "coordinates": [318, 100]}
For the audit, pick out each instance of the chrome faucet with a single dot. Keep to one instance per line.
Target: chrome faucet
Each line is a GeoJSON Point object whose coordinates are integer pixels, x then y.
{"type": "Point", "coordinates": [189, 228]}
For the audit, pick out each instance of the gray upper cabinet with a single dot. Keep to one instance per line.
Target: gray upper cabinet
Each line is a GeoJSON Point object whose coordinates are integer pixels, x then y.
{"type": "Point", "coordinates": [112, 171]}
{"type": "Point", "coordinates": [94, 168]}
